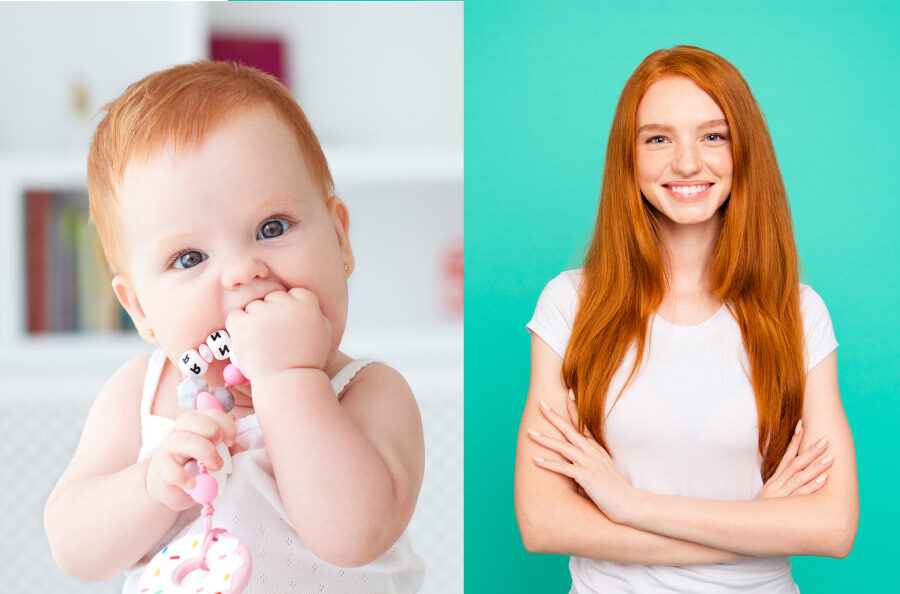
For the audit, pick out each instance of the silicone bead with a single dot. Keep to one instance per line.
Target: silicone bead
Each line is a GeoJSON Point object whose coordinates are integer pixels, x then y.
{"type": "Point", "coordinates": [205, 489]}
{"type": "Point", "coordinates": [188, 389]}
{"type": "Point", "coordinates": [225, 398]}
{"type": "Point", "coordinates": [234, 376]}
{"type": "Point", "coordinates": [192, 364]}
{"type": "Point", "coordinates": [205, 353]}
{"type": "Point", "coordinates": [206, 401]}
{"type": "Point", "coordinates": [220, 344]}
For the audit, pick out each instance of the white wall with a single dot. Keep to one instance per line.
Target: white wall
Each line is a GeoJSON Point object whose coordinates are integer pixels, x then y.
{"type": "Point", "coordinates": [46, 48]}
{"type": "Point", "coordinates": [367, 73]}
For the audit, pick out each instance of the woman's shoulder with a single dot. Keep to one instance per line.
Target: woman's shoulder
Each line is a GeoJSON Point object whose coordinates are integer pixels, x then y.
{"type": "Point", "coordinates": [554, 314]}
{"type": "Point", "coordinates": [564, 286]}
{"type": "Point", "coordinates": [817, 327]}
{"type": "Point", "coordinates": [812, 306]}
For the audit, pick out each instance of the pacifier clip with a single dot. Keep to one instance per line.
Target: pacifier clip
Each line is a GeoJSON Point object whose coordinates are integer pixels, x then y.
{"type": "Point", "coordinates": [222, 564]}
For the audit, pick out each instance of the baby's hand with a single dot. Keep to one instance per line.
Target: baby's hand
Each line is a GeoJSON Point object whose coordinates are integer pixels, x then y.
{"type": "Point", "coordinates": [284, 330]}
{"type": "Point", "coordinates": [194, 436]}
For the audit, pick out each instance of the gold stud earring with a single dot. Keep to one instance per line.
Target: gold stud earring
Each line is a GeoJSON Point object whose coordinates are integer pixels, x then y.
{"type": "Point", "coordinates": [346, 267]}
{"type": "Point", "coordinates": [150, 333]}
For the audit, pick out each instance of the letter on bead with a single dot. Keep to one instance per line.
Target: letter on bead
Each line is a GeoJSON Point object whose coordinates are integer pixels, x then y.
{"type": "Point", "coordinates": [220, 344]}
{"type": "Point", "coordinates": [192, 364]}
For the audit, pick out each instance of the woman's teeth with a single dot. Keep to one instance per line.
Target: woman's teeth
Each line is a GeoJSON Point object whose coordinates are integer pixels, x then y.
{"type": "Point", "coordinates": [689, 190]}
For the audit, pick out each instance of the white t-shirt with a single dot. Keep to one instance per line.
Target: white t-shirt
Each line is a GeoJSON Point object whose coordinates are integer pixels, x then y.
{"type": "Point", "coordinates": [687, 426]}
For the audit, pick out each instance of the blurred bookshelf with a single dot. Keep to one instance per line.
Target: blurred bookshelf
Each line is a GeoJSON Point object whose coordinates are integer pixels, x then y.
{"type": "Point", "coordinates": [56, 303]}
{"type": "Point", "coordinates": [66, 277]}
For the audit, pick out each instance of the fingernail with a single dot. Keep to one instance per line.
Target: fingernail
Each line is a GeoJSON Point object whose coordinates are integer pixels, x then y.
{"type": "Point", "coordinates": [536, 459]}
{"type": "Point", "coordinates": [544, 406]}
{"type": "Point", "coordinates": [822, 443]}
{"type": "Point", "coordinates": [827, 459]}
{"type": "Point", "coordinates": [822, 478]}
{"type": "Point", "coordinates": [533, 433]}
{"type": "Point", "coordinates": [571, 395]}
{"type": "Point", "coordinates": [800, 422]}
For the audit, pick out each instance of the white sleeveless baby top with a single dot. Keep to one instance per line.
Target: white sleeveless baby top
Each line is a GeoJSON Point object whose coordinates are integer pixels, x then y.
{"type": "Point", "coordinates": [687, 426]}
{"type": "Point", "coordinates": [249, 507]}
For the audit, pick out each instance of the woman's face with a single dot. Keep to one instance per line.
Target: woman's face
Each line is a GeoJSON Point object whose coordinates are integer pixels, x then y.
{"type": "Point", "coordinates": [683, 151]}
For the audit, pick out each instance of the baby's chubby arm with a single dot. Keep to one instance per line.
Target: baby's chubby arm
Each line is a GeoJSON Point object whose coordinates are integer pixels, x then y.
{"type": "Point", "coordinates": [107, 510]}
{"type": "Point", "coordinates": [348, 471]}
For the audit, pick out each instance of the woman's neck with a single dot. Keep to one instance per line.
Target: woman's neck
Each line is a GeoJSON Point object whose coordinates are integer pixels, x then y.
{"type": "Point", "coordinates": [687, 253]}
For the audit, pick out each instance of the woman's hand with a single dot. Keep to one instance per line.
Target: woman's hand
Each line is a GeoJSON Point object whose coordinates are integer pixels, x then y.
{"type": "Point", "coordinates": [587, 463]}
{"type": "Point", "coordinates": [799, 473]}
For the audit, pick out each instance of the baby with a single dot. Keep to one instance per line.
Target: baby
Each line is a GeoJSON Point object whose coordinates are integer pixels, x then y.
{"type": "Point", "coordinates": [215, 208]}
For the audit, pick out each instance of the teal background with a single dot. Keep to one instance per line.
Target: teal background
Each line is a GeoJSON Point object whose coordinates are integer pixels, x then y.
{"type": "Point", "coordinates": [542, 81]}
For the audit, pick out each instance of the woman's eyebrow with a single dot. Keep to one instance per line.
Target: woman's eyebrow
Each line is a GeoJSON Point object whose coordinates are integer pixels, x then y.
{"type": "Point", "coordinates": [709, 124]}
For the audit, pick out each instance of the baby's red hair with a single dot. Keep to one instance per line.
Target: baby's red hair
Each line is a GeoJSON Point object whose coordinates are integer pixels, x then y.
{"type": "Point", "coordinates": [181, 105]}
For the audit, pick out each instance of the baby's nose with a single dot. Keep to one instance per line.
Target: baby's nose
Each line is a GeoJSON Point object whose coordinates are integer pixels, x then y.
{"type": "Point", "coordinates": [242, 269]}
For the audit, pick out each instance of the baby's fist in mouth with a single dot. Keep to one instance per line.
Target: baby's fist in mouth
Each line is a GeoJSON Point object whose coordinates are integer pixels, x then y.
{"type": "Point", "coordinates": [284, 330]}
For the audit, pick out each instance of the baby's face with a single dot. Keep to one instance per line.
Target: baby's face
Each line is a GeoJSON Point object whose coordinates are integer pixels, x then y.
{"type": "Point", "coordinates": [224, 224]}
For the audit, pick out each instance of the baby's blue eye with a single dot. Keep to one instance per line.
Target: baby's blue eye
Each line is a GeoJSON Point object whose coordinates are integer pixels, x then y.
{"type": "Point", "coordinates": [272, 228]}
{"type": "Point", "coordinates": [189, 259]}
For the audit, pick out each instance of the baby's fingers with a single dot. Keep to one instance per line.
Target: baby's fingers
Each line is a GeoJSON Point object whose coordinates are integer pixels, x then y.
{"type": "Point", "coordinates": [183, 446]}
{"type": "Point", "coordinates": [172, 473]}
{"type": "Point", "coordinates": [226, 423]}
{"type": "Point", "coordinates": [213, 425]}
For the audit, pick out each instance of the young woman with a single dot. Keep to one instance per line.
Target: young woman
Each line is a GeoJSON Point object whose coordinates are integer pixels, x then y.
{"type": "Point", "coordinates": [684, 430]}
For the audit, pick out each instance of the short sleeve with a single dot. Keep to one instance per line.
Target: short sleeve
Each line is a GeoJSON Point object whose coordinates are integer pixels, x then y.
{"type": "Point", "coordinates": [555, 312]}
{"type": "Point", "coordinates": [817, 328]}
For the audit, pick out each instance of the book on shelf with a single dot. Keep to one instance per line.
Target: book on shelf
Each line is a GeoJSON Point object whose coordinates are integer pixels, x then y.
{"type": "Point", "coordinates": [67, 280]}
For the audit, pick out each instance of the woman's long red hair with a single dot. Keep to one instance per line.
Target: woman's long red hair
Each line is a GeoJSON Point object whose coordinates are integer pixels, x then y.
{"type": "Point", "coordinates": [754, 268]}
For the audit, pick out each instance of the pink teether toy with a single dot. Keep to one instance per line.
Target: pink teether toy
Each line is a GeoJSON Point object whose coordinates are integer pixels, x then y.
{"type": "Point", "coordinates": [215, 561]}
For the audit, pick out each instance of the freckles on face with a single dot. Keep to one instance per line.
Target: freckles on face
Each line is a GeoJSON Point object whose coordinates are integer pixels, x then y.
{"type": "Point", "coordinates": [683, 159]}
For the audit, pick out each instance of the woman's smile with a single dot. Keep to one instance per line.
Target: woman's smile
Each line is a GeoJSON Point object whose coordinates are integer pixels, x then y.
{"type": "Point", "coordinates": [688, 193]}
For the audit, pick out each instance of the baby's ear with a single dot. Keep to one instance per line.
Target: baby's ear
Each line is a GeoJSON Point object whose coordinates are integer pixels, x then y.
{"type": "Point", "coordinates": [340, 218]}
{"type": "Point", "coordinates": [124, 290]}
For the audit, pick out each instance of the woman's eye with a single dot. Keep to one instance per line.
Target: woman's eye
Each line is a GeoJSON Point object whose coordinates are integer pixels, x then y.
{"type": "Point", "coordinates": [652, 138]}
{"type": "Point", "coordinates": [189, 259]}
{"type": "Point", "coordinates": [272, 228]}
{"type": "Point", "coordinates": [720, 136]}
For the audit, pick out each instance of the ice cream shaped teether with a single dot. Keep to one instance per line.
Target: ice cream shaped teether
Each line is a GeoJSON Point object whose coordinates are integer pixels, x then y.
{"type": "Point", "coordinates": [216, 560]}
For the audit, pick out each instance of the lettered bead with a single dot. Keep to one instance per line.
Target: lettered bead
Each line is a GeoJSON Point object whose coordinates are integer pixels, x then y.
{"type": "Point", "coordinates": [192, 364]}
{"type": "Point", "coordinates": [220, 344]}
